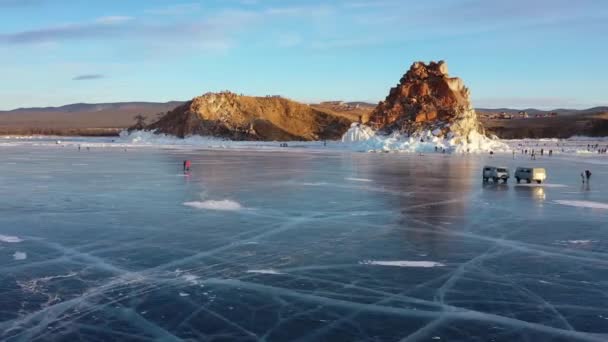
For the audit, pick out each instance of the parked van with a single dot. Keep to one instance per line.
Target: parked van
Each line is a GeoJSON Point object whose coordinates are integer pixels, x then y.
{"type": "Point", "coordinates": [530, 174]}
{"type": "Point", "coordinates": [496, 174]}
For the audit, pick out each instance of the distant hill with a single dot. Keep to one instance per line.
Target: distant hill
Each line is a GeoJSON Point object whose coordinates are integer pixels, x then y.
{"type": "Point", "coordinates": [362, 104]}
{"type": "Point", "coordinates": [99, 107]}
{"type": "Point", "coordinates": [593, 123]}
{"type": "Point", "coordinates": [80, 118]}
{"type": "Point", "coordinates": [238, 117]}
{"type": "Point", "coordinates": [533, 111]}
{"type": "Point", "coordinates": [353, 111]}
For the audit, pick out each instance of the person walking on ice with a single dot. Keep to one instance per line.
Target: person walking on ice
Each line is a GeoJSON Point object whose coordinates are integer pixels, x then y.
{"type": "Point", "coordinates": [583, 177]}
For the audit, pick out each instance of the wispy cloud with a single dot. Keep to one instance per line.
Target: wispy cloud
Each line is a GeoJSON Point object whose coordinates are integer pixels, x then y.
{"type": "Point", "coordinates": [114, 19]}
{"type": "Point", "coordinates": [176, 9]}
{"type": "Point", "coordinates": [347, 43]}
{"type": "Point", "coordinates": [101, 27]}
{"type": "Point", "coordinates": [88, 77]}
{"type": "Point", "coordinates": [370, 4]}
{"type": "Point", "coordinates": [206, 34]}
{"type": "Point", "coordinates": [304, 11]}
{"type": "Point", "coordinates": [213, 29]}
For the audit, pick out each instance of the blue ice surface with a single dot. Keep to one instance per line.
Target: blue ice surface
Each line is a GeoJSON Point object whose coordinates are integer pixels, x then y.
{"type": "Point", "coordinates": [283, 246]}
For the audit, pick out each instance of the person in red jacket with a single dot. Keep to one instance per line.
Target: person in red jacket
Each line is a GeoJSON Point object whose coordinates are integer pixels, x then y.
{"type": "Point", "coordinates": [187, 165]}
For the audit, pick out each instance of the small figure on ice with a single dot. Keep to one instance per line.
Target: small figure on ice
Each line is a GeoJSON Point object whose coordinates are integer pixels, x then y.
{"type": "Point", "coordinates": [187, 165]}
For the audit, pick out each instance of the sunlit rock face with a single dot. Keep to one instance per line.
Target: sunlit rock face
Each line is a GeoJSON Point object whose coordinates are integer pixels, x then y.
{"type": "Point", "coordinates": [427, 99]}
{"type": "Point", "coordinates": [238, 117]}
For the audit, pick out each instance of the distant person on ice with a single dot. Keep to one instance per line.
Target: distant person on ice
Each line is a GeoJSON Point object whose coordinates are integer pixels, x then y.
{"type": "Point", "coordinates": [583, 177]}
{"type": "Point", "coordinates": [587, 175]}
{"type": "Point", "coordinates": [187, 165]}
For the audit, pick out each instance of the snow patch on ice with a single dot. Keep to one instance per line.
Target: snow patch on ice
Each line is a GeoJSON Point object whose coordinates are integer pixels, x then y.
{"type": "Point", "coordinates": [225, 205]}
{"type": "Point", "coordinates": [37, 285]}
{"type": "Point", "coordinates": [423, 264]}
{"type": "Point", "coordinates": [576, 243]}
{"type": "Point", "coordinates": [9, 239]}
{"type": "Point", "coordinates": [583, 204]}
{"type": "Point", "coordinates": [364, 180]}
{"type": "Point", "coordinates": [265, 272]}
{"type": "Point", "coordinates": [20, 256]}
{"type": "Point", "coordinates": [314, 184]}
{"type": "Point", "coordinates": [191, 278]}
{"type": "Point", "coordinates": [184, 294]}
{"type": "Point", "coordinates": [580, 242]}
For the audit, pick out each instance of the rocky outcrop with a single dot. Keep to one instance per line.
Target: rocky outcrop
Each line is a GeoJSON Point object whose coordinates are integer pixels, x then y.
{"type": "Point", "coordinates": [235, 117]}
{"type": "Point", "coordinates": [427, 99]}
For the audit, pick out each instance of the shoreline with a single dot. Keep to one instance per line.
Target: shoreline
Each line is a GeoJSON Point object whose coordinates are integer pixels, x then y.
{"type": "Point", "coordinates": [69, 132]}
{"type": "Point", "coordinates": [576, 146]}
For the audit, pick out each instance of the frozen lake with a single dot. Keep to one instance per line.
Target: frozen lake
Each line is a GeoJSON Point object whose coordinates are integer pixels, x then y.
{"type": "Point", "coordinates": [120, 245]}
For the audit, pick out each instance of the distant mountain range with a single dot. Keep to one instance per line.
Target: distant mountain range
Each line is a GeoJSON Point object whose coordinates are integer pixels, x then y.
{"type": "Point", "coordinates": [100, 107]}
{"type": "Point", "coordinates": [560, 111]}
{"type": "Point", "coordinates": [80, 118]}
{"type": "Point", "coordinates": [147, 108]}
{"type": "Point", "coordinates": [110, 118]}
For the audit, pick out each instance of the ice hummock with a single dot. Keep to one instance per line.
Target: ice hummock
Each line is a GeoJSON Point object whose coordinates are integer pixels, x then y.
{"type": "Point", "coordinates": [363, 138]}
{"type": "Point", "coordinates": [358, 132]}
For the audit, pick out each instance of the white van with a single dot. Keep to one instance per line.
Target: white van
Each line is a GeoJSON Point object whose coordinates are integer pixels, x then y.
{"type": "Point", "coordinates": [530, 174]}
{"type": "Point", "coordinates": [496, 174]}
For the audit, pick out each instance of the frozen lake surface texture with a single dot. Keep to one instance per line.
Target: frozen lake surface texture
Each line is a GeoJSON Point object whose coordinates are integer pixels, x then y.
{"type": "Point", "coordinates": [120, 245]}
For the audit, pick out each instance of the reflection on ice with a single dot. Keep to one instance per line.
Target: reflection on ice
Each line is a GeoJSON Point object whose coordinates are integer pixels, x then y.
{"type": "Point", "coordinates": [535, 192]}
{"type": "Point", "coordinates": [542, 185]}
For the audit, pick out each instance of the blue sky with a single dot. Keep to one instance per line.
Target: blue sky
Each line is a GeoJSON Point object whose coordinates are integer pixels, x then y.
{"type": "Point", "coordinates": [517, 53]}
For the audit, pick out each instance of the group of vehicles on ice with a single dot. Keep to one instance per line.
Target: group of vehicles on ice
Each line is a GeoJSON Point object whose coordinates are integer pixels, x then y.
{"type": "Point", "coordinates": [528, 174]}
